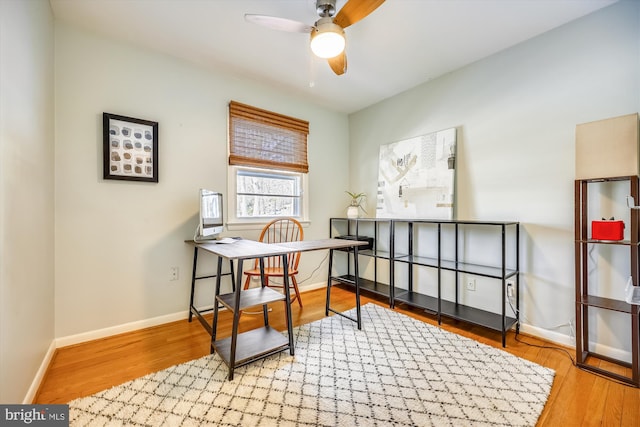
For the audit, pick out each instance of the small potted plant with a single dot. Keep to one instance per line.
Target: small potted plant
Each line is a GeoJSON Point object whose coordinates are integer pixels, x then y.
{"type": "Point", "coordinates": [353, 210]}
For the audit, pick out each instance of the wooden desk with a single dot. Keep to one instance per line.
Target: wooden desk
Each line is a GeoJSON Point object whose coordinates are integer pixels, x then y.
{"type": "Point", "coordinates": [241, 349]}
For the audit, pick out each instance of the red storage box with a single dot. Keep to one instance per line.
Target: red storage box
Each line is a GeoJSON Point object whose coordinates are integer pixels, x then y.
{"type": "Point", "coordinates": [607, 230]}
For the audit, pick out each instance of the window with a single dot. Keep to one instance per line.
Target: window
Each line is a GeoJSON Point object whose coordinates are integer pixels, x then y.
{"type": "Point", "coordinates": [268, 165]}
{"type": "Point", "coordinates": [265, 194]}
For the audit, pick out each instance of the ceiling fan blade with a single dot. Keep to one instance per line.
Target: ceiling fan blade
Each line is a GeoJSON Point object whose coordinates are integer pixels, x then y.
{"type": "Point", "coordinates": [280, 24]}
{"type": "Point", "coordinates": [338, 63]}
{"type": "Point", "coordinates": [355, 10]}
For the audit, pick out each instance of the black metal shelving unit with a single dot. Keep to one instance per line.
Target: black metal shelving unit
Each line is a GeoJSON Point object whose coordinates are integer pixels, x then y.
{"type": "Point", "coordinates": [455, 263]}
{"type": "Point", "coordinates": [507, 268]}
{"type": "Point", "coordinates": [353, 228]}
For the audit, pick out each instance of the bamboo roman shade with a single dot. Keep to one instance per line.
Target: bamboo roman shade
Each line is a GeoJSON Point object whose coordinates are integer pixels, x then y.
{"type": "Point", "coordinates": [264, 139]}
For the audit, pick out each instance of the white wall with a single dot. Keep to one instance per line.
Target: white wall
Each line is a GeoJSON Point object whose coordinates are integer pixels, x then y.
{"type": "Point", "coordinates": [116, 240]}
{"type": "Point", "coordinates": [516, 113]}
{"type": "Point", "coordinates": [26, 194]}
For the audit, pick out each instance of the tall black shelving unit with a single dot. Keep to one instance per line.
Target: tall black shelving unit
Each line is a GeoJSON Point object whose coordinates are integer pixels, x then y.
{"type": "Point", "coordinates": [587, 301]}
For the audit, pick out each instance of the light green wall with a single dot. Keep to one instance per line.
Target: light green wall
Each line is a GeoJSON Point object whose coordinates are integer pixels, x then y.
{"type": "Point", "coordinates": [116, 240]}
{"type": "Point", "coordinates": [26, 194]}
{"type": "Point", "coordinates": [516, 113]}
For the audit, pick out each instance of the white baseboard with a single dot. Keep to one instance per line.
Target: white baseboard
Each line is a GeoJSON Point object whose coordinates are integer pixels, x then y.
{"type": "Point", "coordinates": [141, 324]}
{"type": "Point", "coordinates": [42, 371]}
{"type": "Point", "coordinates": [551, 336]}
{"type": "Point", "coordinates": [313, 286]}
{"type": "Point", "coordinates": [119, 329]}
{"type": "Point", "coordinates": [569, 341]}
{"type": "Point", "coordinates": [614, 353]}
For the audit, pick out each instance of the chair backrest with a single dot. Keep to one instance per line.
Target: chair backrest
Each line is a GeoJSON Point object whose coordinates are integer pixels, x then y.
{"type": "Point", "coordinates": [282, 230]}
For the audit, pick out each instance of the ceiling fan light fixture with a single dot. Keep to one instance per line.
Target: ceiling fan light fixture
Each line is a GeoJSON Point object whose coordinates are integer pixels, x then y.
{"type": "Point", "coordinates": [327, 39]}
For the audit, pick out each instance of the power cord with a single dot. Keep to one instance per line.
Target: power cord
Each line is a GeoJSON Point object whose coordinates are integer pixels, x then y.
{"type": "Point", "coordinates": [519, 314]}
{"type": "Point", "coordinates": [315, 270]}
{"type": "Point", "coordinates": [564, 350]}
{"type": "Point", "coordinates": [548, 347]}
{"type": "Point", "coordinates": [593, 261]}
{"type": "Point", "coordinates": [573, 362]}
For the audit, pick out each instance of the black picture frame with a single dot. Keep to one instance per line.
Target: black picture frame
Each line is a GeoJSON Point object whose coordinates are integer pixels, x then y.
{"type": "Point", "coordinates": [130, 148]}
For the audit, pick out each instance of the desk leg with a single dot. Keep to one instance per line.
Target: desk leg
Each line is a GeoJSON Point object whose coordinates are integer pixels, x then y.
{"type": "Point", "coordinates": [214, 324]}
{"type": "Point", "coordinates": [193, 282]}
{"type": "Point", "coordinates": [287, 301]}
{"type": "Point", "coordinates": [236, 322]}
{"type": "Point", "coordinates": [233, 277]}
{"type": "Point", "coordinates": [357, 284]}
{"type": "Point", "coordinates": [263, 283]}
{"type": "Point", "coordinates": [326, 309]}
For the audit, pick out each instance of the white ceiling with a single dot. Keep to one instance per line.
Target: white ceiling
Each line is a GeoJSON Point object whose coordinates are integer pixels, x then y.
{"type": "Point", "coordinates": [400, 45]}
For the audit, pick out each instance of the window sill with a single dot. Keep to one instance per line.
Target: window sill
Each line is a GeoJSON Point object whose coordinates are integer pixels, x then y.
{"type": "Point", "coordinates": [258, 225]}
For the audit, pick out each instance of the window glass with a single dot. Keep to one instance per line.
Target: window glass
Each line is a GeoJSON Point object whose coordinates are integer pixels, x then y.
{"type": "Point", "coordinates": [267, 193]}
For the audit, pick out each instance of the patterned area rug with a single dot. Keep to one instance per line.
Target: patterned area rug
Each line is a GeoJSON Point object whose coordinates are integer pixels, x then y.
{"type": "Point", "coordinates": [396, 371]}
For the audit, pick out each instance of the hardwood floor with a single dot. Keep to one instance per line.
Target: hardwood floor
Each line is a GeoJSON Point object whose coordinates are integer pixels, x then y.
{"type": "Point", "coordinates": [578, 398]}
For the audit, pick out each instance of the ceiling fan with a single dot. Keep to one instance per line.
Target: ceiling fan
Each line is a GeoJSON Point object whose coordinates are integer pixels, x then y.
{"type": "Point", "coordinates": [327, 34]}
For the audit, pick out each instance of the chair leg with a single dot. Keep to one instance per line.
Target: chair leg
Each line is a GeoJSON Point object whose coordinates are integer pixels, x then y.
{"type": "Point", "coordinates": [247, 282]}
{"type": "Point", "coordinates": [295, 288]}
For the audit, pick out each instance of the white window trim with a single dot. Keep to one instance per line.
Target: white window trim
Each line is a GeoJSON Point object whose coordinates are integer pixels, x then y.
{"type": "Point", "coordinates": [234, 223]}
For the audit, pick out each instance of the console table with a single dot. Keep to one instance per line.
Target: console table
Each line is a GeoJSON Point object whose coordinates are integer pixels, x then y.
{"type": "Point", "coordinates": [244, 348]}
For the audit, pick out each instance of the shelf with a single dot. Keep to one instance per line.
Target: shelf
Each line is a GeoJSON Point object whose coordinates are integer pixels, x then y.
{"type": "Point", "coordinates": [607, 303]}
{"type": "Point", "coordinates": [610, 242]}
{"type": "Point", "coordinates": [457, 221]}
{"type": "Point", "coordinates": [418, 260]}
{"type": "Point", "coordinates": [363, 219]}
{"type": "Point", "coordinates": [375, 253]}
{"type": "Point", "coordinates": [590, 361]}
{"type": "Point", "coordinates": [415, 299]}
{"type": "Point", "coordinates": [455, 311]}
{"type": "Point", "coordinates": [607, 179]}
{"type": "Point", "coordinates": [478, 270]}
{"type": "Point", "coordinates": [365, 284]}
{"type": "Point", "coordinates": [476, 316]}
{"type": "Point", "coordinates": [251, 298]}
{"type": "Point", "coordinates": [252, 345]}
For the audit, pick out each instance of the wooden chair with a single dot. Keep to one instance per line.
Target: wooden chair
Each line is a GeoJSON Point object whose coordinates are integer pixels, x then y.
{"type": "Point", "coordinates": [279, 231]}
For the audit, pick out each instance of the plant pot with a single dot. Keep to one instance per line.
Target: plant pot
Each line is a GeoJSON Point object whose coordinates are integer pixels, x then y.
{"type": "Point", "coordinates": [353, 212]}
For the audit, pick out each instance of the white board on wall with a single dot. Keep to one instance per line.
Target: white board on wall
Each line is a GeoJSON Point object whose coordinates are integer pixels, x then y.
{"type": "Point", "coordinates": [416, 177]}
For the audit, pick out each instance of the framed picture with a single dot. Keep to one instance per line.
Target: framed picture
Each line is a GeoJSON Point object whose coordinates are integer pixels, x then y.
{"type": "Point", "coordinates": [416, 177]}
{"type": "Point", "coordinates": [130, 148]}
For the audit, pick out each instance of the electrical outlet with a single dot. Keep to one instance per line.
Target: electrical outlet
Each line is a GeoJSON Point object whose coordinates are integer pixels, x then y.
{"type": "Point", "coordinates": [471, 285]}
{"type": "Point", "coordinates": [173, 273]}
